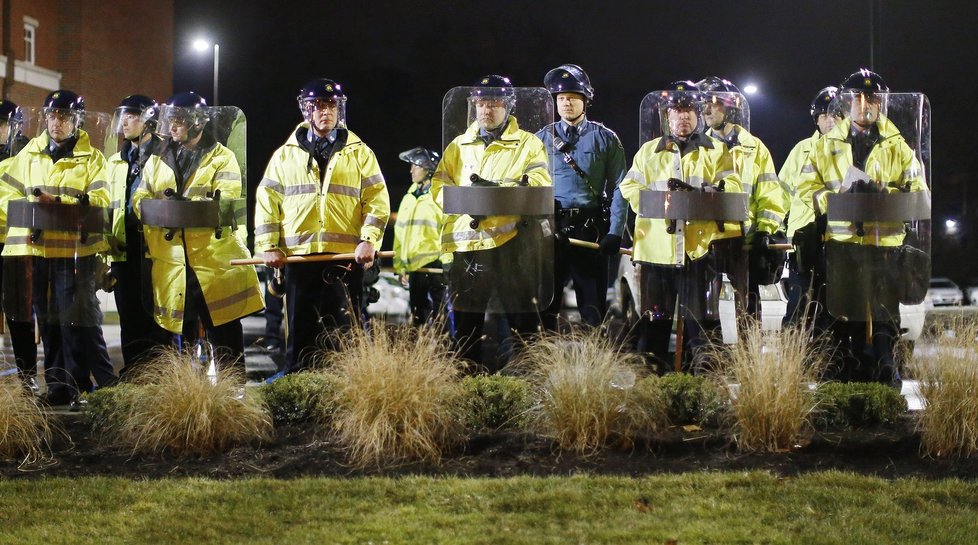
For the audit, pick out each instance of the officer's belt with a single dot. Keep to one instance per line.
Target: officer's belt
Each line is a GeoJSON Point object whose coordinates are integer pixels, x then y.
{"type": "Point", "coordinates": [872, 207]}
{"type": "Point", "coordinates": [59, 217]}
{"type": "Point", "coordinates": [499, 201]}
{"type": "Point", "coordinates": [693, 205]}
{"type": "Point", "coordinates": [178, 214]}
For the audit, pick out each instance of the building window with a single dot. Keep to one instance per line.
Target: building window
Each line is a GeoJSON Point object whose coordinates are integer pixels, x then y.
{"type": "Point", "coordinates": [30, 41]}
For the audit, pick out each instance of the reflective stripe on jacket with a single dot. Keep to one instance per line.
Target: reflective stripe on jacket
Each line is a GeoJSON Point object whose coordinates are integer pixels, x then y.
{"type": "Point", "coordinates": [69, 178]}
{"type": "Point", "coordinates": [654, 164]}
{"type": "Point", "coordinates": [891, 161]}
{"type": "Point", "coordinates": [506, 159]}
{"type": "Point", "coordinates": [753, 163]}
{"type": "Point", "coordinates": [230, 292]}
{"type": "Point", "coordinates": [800, 213]}
{"type": "Point", "coordinates": [297, 214]}
{"type": "Point", "coordinates": [417, 232]}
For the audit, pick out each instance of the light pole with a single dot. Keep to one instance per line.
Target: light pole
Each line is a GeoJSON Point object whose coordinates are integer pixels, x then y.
{"type": "Point", "coordinates": [202, 45]}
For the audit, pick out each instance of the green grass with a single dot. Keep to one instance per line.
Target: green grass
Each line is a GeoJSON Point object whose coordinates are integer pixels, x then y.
{"type": "Point", "coordinates": [818, 508]}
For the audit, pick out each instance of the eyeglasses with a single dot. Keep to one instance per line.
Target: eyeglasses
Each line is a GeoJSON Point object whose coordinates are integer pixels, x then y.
{"type": "Point", "coordinates": [316, 105]}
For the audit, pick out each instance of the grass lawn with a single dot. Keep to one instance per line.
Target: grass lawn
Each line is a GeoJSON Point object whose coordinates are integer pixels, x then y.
{"type": "Point", "coordinates": [690, 508]}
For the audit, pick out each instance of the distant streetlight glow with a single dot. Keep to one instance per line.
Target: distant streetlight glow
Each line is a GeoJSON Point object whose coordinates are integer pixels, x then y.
{"type": "Point", "coordinates": [201, 45]}
{"type": "Point", "coordinates": [951, 226]}
{"type": "Point", "coordinates": [750, 88]}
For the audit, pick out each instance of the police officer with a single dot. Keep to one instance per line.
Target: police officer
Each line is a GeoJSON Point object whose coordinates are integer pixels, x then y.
{"type": "Point", "coordinates": [194, 286]}
{"type": "Point", "coordinates": [135, 119]}
{"type": "Point", "coordinates": [865, 143]}
{"type": "Point", "coordinates": [489, 252]}
{"type": "Point", "coordinates": [417, 238]}
{"type": "Point", "coordinates": [679, 257]}
{"type": "Point", "coordinates": [722, 112]}
{"type": "Point", "coordinates": [801, 216]}
{"type": "Point", "coordinates": [21, 332]}
{"type": "Point", "coordinates": [62, 166]}
{"type": "Point", "coordinates": [322, 193]}
{"type": "Point", "coordinates": [588, 164]}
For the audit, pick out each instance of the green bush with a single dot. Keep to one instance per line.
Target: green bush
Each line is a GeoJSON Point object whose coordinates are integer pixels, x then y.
{"type": "Point", "coordinates": [102, 412]}
{"type": "Point", "coordinates": [496, 402]}
{"type": "Point", "coordinates": [298, 397]}
{"type": "Point", "coordinates": [846, 405]}
{"type": "Point", "coordinates": [692, 399]}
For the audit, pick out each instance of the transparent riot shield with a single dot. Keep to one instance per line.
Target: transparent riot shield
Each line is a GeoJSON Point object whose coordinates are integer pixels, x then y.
{"type": "Point", "coordinates": [498, 200]}
{"type": "Point", "coordinates": [192, 207]}
{"type": "Point", "coordinates": [96, 126]}
{"type": "Point", "coordinates": [879, 216]}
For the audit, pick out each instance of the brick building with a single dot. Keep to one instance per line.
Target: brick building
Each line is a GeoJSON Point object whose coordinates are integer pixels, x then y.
{"type": "Point", "coordinates": [101, 50]}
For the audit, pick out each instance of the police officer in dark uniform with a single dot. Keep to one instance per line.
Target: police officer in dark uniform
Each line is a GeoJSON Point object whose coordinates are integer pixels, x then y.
{"type": "Point", "coordinates": [588, 163]}
{"type": "Point", "coordinates": [135, 119]}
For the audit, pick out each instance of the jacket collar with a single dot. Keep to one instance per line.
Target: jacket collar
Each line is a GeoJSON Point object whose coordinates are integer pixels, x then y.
{"type": "Point", "coordinates": [696, 140]}
{"type": "Point", "coordinates": [472, 134]}
{"type": "Point", "coordinates": [83, 146]}
{"type": "Point", "coordinates": [885, 127]}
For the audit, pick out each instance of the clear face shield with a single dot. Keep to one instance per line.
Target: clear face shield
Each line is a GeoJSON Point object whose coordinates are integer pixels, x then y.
{"type": "Point", "coordinates": [670, 113]}
{"type": "Point", "coordinates": [492, 108]}
{"type": "Point", "coordinates": [490, 112]}
{"type": "Point", "coordinates": [182, 124]}
{"type": "Point", "coordinates": [324, 114]}
{"type": "Point", "coordinates": [129, 124]}
{"type": "Point", "coordinates": [62, 124]}
{"type": "Point", "coordinates": [864, 109]}
{"type": "Point", "coordinates": [722, 108]}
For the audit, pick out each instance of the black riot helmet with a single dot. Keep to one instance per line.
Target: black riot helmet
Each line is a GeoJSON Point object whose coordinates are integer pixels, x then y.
{"type": "Point", "coordinates": [319, 93]}
{"type": "Point", "coordinates": [722, 91]}
{"type": "Point", "coordinates": [13, 117]}
{"type": "Point", "coordinates": [9, 112]}
{"type": "Point", "coordinates": [493, 86]}
{"type": "Point", "coordinates": [66, 104]}
{"type": "Point", "coordinates": [864, 81]}
{"type": "Point", "coordinates": [569, 78]}
{"type": "Point", "coordinates": [145, 107]}
{"type": "Point", "coordinates": [422, 157]}
{"type": "Point", "coordinates": [824, 103]}
{"type": "Point", "coordinates": [681, 94]}
{"type": "Point", "coordinates": [187, 108]}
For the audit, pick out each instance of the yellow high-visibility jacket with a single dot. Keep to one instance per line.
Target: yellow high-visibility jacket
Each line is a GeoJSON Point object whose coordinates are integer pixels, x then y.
{"type": "Point", "coordinates": [506, 159]}
{"type": "Point", "coordinates": [5, 193]}
{"type": "Point", "coordinates": [69, 178]}
{"type": "Point", "coordinates": [297, 214]}
{"type": "Point", "coordinates": [417, 232]}
{"type": "Point", "coordinates": [753, 163]}
{"type": "Point", "coordinates": [230, 292]}
{"type": "Point", "coordinates": [891, 161]}
{"type": "Point", "coordinates": [654, 164]}
{"type": "Point", "coordinates": [118, 170]}
{"type": "Point", "coordinates": [800, 213]}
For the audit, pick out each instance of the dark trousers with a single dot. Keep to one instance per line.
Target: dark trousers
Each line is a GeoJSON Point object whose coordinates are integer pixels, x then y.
{"type": "Point", "coordinates": [274, 309]}
{"type": "Point", "coordinates": [140, 334]}
{"type": "Point", "coordinates": [227, 339]}
{"type": "Point", "coordinates": [70, 323]}
{"type": "Point", "coordinates": [321, 297]}
{"type": "Point", "coordinates": [586, 268]}
{"type": "Point", "coordinates": [427, 295]}
{"type": "Point", "coordinates": [21, 332]}
{"type": "Point", "coordinates": [799, 292]}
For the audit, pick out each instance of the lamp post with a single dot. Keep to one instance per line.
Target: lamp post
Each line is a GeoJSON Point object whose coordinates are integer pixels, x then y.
{"type": "Point", "coordinates": [202, 45]}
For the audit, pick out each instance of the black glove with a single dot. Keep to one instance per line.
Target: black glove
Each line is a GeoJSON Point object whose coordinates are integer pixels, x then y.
{"type": "Point", "coordinates": [759, 245]}
{"type": "Point", "coordinates": [821, 224]}
{"type": "Point", "coordinates": [610, 244]}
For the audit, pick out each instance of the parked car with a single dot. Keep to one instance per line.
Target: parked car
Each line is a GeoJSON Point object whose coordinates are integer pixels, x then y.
{"type": "Point", "coordinates": [943, 291]}
{"type": "Point", "coordinates": [393, 302]}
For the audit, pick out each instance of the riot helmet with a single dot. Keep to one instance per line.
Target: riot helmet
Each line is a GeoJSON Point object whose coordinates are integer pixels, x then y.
{"type": "Point", "coordinates": [569, 78]}
{"type": "Point", "coordinates": [491, 100]}
{"type": "Point", "coordinates": [723, 102]}
{"type": "Point", "coordinates": [862, 96]}
{"type": "Point", "coordinates": [64, 113]}
{"type": "Point", "coordinates": [679, 108]}
{"type": "Point", "coordinates": [184, 116]}
{"type": "Point", "coordinates": [135, 116]}
{"type": "Point", "coordinates": [422, 157]}
{"type": "Point", "coordinates": [11, 120]}
{"type": "Point", "coordinates": [825, 103]}
{"type": "Point", "coordinates": [326, 97]}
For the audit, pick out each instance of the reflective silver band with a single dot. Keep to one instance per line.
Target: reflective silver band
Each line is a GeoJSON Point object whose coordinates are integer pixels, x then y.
{"type": "Point", "coordinates": [637, 176]}
{"type": "Point", "coordinates": [168, 313]}
{"type": "Point", "coordinates": [304, 189]}
{"type": "Point", "coordinates": [271, 184]}
{"type": "Point", "coordinates": [337, 189]}
{"type": "Point", "coordinates": [13, 182]}
{"type": "Point", "coordinates": [496, 201]}
{"type": "Point", "coordinates": [320, 236]}
{"type": "Point", "coordinates": [808, 168]}
{"type": "Point", "coordinates": [418, 223]}
{"type": "Point", "coordinates": [693, 205]}
{"type": "Point", "coordinates": [266, 228]}
{"type": "Point", "coordinates": [462, 236]}
{"type": "Point", "coordinates": [873, 207]}
{"type": "Point", "coordinates": [374, 221]}
{"type": "Point", "coordinates": [767, 214]}
{"type": "Point", "coordinates": [97, 184]}
{"type": "Point", "coordinates": [233, 299]}
{"type": "Point", "coordinates": [768, 177]}
{"type": "Point", "coordinates": [371, 180]}
{"type": "Point", "coordinates": [225, 175]}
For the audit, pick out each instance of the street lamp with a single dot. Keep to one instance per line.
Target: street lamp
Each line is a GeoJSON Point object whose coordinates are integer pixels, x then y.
{"type": "Point", "coordinates": [951, 226]}
{"type": "Point", "coordinates": [202, 45]}
{"type": "Point", "coordinates": [750, 89]}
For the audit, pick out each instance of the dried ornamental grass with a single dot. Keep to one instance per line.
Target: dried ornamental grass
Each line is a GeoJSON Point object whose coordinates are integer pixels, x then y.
{"type": "Point", "coordinates": [948, 382]}
{"type": "Point", "coordinates": [770, 373]}
{"type": "Point", "coordinates": [398, 394]}
{"type": "Point", "coordinates": [25, 431]}
{"type": "Point", "coordinates": [177, 408]}
{"type": "Point", "coordinates": [587, 391]}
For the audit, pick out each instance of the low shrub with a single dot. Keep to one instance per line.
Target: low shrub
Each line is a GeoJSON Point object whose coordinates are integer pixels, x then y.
{"type": "Point", "coordinates": [497, 402]}
{"type": "Point", "coordinates": [848, 405]}
{"type": "Point", "coordinates": [587, 392]}
{"type": "Point", "coordinates": [102, 410]}
{"type": "Point", "coordinates": [25, 430]}
{"type": "Point", "coordinates": [299, 397]}
{"type": "Point", "coordinates": [692, 399]}
{"type": "Point", "coordinates": [397, 392]}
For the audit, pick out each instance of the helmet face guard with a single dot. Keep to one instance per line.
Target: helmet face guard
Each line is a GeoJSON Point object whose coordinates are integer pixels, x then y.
{"type": "Point", "coordinates": [139, 109]}
{"type": "Point", "coordinates": [491, 101]}
{"type": "Point", "coordinates": [325, 96]}
{"type": "Point", "coordinates": [182, 123]}
{"type": "Point", "coordinates": [421, 157]}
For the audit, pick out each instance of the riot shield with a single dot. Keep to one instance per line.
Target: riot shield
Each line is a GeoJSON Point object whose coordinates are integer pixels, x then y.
{"type": "Point", "coordinates": [879, 216]}
{"type": "Point", "coordinates": [498, 201]}
{"type": "Point", "coordinates": [654, 116]}
{"type": "Point", "coordinates": [192, 206]}
{"type": "Point", "coordinates": [97, 126]}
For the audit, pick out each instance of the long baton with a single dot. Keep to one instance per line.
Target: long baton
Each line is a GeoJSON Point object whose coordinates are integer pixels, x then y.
{"type": "Point", "coordinates": [595, 246]}
{"type": "Point", "coordinates": [310, 258]}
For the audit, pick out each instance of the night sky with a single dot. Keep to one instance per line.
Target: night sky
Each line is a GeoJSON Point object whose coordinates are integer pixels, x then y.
{"type": "Point", "coordinates": [396, 60]}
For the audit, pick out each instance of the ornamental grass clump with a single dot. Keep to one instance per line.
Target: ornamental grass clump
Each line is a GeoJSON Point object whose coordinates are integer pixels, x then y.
{"type": "Point", "coordinates": [25, 431]}
{"type": "Point", "coordinates": [587, 391]}
{"type": "Point", "coordinates": [770, 374]}
{"type": "Point", "coordinates": [948, 382]}
{"type": "Point", "coordinates": [398, 394]}
{"type": "Point", "coordinates": [175, 407]}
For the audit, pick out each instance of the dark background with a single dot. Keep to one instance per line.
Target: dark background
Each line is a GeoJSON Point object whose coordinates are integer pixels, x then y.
{"type": "Point", "coordinates": [396, 60]}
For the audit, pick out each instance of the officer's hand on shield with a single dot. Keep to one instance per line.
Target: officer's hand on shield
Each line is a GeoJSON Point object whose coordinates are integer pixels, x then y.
{"type": "Point", "coordinates": [273, 258]}
{"type": "Point", "coordinates": [364, 254]}
{"type": "Point", "coordinates": [610, 244]}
